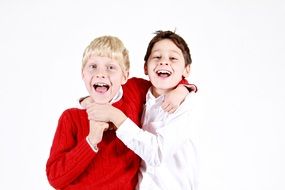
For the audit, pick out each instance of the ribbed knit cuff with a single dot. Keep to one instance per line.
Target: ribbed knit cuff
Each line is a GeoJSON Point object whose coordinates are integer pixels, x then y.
{"type": "Point", "coordinates": [94, 148]}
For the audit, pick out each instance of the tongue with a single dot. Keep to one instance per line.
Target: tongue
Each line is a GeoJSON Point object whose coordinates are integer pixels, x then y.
{"type": "Point", "coordinates": [163, 75]}
{"type": "Point", "coordinates": [101, 89]}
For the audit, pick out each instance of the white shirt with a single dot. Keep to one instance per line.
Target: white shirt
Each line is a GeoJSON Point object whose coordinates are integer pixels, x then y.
{"type": "Point", "coordinates": [164, 144]}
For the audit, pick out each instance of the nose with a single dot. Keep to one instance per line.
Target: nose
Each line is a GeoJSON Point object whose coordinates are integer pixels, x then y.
{"type": "Point", "coordinates": [100, 76]}
{"type": "Point", "coordinates": [163, 60]}
{"type": "Point", "coordinates": [100, 73]}
{"type": "Point", "coordinates": [163, 63]}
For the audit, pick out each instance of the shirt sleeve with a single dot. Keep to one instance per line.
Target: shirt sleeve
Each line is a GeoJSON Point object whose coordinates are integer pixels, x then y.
{"type": "Point", "coordinates": [153, 147]}
{"type": "Point", "coordinates": [68, 158]}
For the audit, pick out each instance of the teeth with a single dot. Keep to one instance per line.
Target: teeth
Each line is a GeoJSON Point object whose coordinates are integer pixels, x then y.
{"type": "Point", "coordinates": [163, 72]}
{"type": "Point", "coordinates": [96, 85]}
{"type": "Point", "coordinates": [101, 84]}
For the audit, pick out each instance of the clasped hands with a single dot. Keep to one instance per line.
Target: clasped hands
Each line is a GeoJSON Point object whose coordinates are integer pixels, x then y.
{"type": "Point", "coordinates": [100, 113]}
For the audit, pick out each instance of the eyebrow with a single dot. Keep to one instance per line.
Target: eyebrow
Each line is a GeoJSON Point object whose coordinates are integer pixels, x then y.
{"type": "Point", "coordinates": [172, 51]}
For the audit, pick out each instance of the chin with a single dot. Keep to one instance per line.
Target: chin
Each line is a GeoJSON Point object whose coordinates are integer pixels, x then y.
{"type": "Point", "coordinates": [164, 86]}
{"type": "Point", "coordinates": [100, 99]}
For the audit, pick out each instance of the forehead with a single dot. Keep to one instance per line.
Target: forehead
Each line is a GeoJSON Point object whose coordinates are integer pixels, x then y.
{"type": "Point", "coordinates": [166, 45]}
{"type": "Point", "coordinates": [102, 60]}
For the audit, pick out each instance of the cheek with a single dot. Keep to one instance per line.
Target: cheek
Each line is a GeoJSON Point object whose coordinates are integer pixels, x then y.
{"type": "Point", "coordinates": [179, 69]}
{"type": "Point", "coordinates": [151, 66]}
{"type": "Point", "coordinates": [87, 79]}
{"type": "Point", "coordinates": [122, 80]}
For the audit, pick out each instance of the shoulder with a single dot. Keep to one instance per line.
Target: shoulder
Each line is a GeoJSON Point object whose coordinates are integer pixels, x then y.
{"type": "Point", "coordinates": [72, 113]}
{"type": "Point", "coordinates": [71, 119]}
{"type": "Point", "coordinates": [189, 98]}
{"type": "Point", "coordinates": [134, 81]}
{"type": "Point", "coordinates": [186, 105]}
{"type": "Point", "coordinates": [74, 110]}
{"type": "Point", "coordinates": [138, 86]}
{"type": "Point", "coordinates": [137, 79]}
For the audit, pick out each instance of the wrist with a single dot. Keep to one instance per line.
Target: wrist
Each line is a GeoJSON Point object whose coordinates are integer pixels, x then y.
{"type": "Point", "coordinates": [119, 118]}
{"type": "Point", "coordinates": [92, 145]}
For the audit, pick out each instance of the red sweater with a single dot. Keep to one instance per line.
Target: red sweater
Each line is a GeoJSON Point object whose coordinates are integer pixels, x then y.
{"type": "Point", "coordinates": [74, 165]}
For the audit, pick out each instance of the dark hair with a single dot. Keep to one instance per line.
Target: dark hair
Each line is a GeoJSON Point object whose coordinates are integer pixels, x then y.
{"type": "Point", "coordinates": [175, 38]}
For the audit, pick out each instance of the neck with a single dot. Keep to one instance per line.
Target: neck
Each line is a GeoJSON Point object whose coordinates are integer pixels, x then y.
{"type": "Point", "coordinates": [156, 92]}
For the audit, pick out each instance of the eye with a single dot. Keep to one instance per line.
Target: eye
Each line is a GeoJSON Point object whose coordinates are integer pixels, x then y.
{"type": "Point", "coordinates": [156, 57]}
{"type": "Point", "coordinates": [174, 59]}
{"type": "Point", "coordinates": [112, 67]}
{"type": "Point", "coordinates": [93, 66]}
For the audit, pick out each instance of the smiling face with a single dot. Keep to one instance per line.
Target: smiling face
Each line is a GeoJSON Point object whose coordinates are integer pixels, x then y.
{"type": "Point", "coordinates": [165, 67]}
{"type": "Point", "coordinates": [103, 78]}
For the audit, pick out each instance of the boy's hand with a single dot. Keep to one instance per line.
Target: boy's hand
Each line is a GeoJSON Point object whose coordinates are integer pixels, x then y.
{"type": "Point", "coordinates": [105, 113]}
{"type": "Point", "coordinates": [96, 130]}
{"type": "Point", "coordinates": [85, 101]}
{"type": "Point", "coordinates": [99, 112]}
{"type": "Point", "coordinates": [174, 98]}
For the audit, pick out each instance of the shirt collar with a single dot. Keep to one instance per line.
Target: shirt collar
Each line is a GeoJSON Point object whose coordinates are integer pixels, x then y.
{"type": "Point", "coordinates": [118, 96]}
{"type": "Point", "coordinates": [153, 100]}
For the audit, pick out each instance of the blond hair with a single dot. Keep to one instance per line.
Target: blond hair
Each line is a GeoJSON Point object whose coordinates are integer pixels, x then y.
{"type": "Point", "coordinates": [107, 46]}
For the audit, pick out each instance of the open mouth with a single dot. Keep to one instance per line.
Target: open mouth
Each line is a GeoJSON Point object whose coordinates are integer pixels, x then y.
{"type": "Point", "coordinates": [163, 73]}
{"type": "Point", "coordinates": [101, 87]}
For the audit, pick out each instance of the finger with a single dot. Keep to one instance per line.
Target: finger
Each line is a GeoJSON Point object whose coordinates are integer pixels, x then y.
{"type": "Point", "coordinates": [90, 116]}
{"type": "Point", "coordinates": [105, 126]}
{"type": "Point", "coordinates": [167, 108]}
{"type": "Point", "coordinates": [92, 105]}
{"type": "Point", "coordinates": [164, 105]}
{"type": "Point", "coordinates": [88, 105]}
{"type": "Point", "coordinates": [89, 110]}
{"type": "Point", "coordinates": [172, 110]}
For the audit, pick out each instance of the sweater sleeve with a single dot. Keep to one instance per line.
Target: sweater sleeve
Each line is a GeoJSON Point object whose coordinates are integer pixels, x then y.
{"type": "Point", "coordinates": [68, 158]}
{"type": "Point", "coordinates": [153, 147]}
{"type": "Point", "coordinates": [138, 87]}
{"type": "Point", "coordinates": [190, 87]}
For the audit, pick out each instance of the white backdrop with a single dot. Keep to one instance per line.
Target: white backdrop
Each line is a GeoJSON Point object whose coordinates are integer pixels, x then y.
{"type": "Point", "coordinates": [238, 49]}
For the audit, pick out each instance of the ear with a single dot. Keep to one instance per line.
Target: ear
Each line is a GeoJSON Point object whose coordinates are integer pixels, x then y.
{"type": "Point", "coordinates": [186, 71]}
{"type": "Point", "coordinates": [125, 77]}
{"type": "Point", "coordinates": [145, 68]}
{"type": "Point", "coordinates": [82, 75]}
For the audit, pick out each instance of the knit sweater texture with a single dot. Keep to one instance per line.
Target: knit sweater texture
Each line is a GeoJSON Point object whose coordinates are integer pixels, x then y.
{"type": "Point", "coordinates": [73, 165]}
